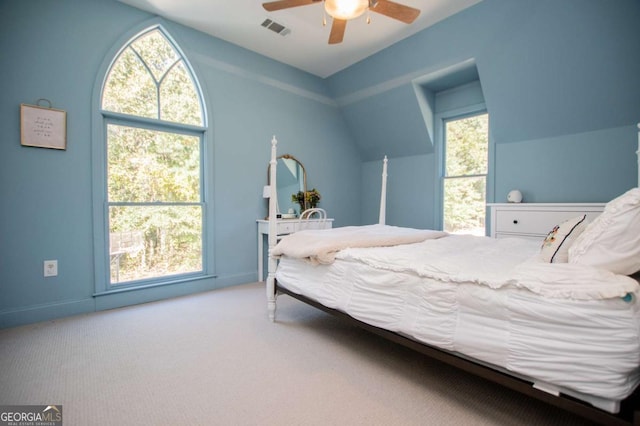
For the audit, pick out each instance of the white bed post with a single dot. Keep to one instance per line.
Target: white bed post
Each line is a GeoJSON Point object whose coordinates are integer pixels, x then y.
{"type": "Point", "coordinates": [638, 154]}
{"type": "Point", "coordinates": [383, 193]}
{"type": "Point", "coordinates": [272, 238]}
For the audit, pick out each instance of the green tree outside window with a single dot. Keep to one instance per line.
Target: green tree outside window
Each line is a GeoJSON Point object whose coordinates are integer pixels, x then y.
{"type": "Point", "coordinates": [154, 132]}
{"type": "Point", "coordinates": [465, 179]}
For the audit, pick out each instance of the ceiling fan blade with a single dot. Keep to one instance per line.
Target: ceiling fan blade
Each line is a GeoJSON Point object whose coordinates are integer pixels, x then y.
{"type": "Point", "coordinates": [337, 31]}
{"type": "Point", "coordinates": [286, 4]}
{"type": "Point", "coordinates": [395, 10]}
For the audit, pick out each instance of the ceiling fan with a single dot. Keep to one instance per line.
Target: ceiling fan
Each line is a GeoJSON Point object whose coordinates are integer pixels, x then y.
{"type": "Point", "coordinates": [343, 10]}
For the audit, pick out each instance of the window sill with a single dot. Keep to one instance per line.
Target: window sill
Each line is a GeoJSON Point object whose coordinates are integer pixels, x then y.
{"type": "Point", "coordinates": [152, 285]}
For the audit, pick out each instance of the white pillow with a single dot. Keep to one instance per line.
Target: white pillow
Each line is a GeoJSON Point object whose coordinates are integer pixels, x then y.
{"type": "Point", "coordinates": [612, 240]}
{"type": "Point", "coordinates": [555, 247]}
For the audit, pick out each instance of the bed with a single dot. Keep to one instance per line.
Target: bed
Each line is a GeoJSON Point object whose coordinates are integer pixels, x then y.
{"type": "Point", "coordinates": [561, 323]}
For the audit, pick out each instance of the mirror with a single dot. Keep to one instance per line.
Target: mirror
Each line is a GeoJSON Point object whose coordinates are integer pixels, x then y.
{"type": "Point", "coordinates": [291, 177]}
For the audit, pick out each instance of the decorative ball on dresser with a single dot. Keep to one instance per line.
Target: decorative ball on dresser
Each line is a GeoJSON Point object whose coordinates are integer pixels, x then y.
{"type": "Point", "coordinates": [514, 196]}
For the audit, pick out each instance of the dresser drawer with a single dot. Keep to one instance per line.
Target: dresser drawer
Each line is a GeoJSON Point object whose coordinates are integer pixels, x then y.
{"type": "Point", "coordinates": [287, 227]}
{"type": "Point", "coordinates": [532, 237]}
{"type": "Point", "coordinates": [532, 222]}
{"type": "Point", "coordinates": [536, 219]}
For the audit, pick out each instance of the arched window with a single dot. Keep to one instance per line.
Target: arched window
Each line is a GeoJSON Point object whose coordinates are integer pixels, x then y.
{"type": "Point", "coordinates": [154, 125]}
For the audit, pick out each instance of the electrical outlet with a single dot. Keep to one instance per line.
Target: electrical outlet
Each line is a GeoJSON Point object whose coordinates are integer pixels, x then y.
{"type": "Point", "coordinates": [50, 268]}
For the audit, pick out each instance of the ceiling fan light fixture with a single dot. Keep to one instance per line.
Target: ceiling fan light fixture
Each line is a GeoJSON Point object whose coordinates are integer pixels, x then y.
{"type": "Point", "coordinates": [345, 9]}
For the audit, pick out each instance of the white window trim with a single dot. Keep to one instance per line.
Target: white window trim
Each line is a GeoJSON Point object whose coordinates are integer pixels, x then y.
{"type": "Point", "coordinates": [100, 118]}
{"type": "Point", "coordinates": [439, 153]}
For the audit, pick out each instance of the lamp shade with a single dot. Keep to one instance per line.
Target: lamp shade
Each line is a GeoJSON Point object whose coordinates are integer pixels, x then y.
{"type": "Point", "coordinates": [345, 9]}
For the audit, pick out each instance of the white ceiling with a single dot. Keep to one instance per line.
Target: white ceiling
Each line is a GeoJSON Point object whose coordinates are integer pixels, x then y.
{"type": "Point", "coordinates": [306, 47]}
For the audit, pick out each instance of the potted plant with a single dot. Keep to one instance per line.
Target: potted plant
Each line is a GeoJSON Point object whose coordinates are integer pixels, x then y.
{"type": "Point", "coordinates": [306, 199]}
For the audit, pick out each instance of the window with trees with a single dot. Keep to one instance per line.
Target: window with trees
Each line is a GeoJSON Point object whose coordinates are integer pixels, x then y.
{"type": "Point", "coordinates": [466, 147]}
{"type": "Point", "coordinates": [153, 131]}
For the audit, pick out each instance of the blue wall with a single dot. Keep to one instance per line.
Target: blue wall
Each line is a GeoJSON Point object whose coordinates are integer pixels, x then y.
{"type": "Point", "coordinates": [561, 84]}
{"type": "Point", "coordinates": [53, 50]}
{"type": "Point", "coordinates": [559, 79]}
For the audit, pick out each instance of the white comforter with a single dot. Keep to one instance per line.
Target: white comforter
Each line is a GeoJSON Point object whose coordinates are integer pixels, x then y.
{"type": "Point", "coordinates": [495, 263]}
{"type": "Point", "coordinates": [582, 337]}
{"type": "Point", "coordinates": [321, 245]}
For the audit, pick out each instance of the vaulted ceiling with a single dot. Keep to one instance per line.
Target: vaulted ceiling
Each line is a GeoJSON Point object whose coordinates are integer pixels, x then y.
{"type": "Point", "coordinates": [305, 44]}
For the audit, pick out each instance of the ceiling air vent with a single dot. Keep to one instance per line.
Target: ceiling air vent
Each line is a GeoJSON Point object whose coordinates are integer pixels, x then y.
{"type": "Point", "coordinates": [275, 27]}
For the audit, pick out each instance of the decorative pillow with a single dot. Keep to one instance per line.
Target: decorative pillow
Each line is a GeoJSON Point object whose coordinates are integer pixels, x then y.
{"type": "Point", "coordinates": [555, 247]}
{"type": "Point", "coordinates": [612, 240]}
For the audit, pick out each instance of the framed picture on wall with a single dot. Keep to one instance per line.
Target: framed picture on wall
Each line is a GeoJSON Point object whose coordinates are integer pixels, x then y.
{"type": "Point", "coordinates": [43, 127]}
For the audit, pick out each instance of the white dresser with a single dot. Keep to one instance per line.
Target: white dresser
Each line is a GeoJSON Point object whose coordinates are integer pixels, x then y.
{"type": "Point", "coordinates": [284, 227]}
{"type": "Point", "coordinates": [535, 220]}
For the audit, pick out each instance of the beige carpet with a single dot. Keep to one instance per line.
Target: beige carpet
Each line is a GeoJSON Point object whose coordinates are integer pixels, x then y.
{"type": "Point", "coordinates": [215, 359]}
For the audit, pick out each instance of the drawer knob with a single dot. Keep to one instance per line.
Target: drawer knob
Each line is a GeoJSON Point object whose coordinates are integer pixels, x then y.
{"type": "Point", "coordinates": [515, 221]}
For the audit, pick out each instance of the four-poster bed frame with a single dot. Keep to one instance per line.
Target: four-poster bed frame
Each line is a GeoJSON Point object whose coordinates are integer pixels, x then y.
{"type": "Point", "coordinates": [629, 408]}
